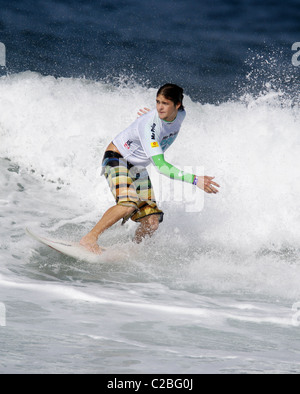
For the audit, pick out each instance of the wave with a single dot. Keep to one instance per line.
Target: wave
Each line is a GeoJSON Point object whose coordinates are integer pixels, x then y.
{"type": "Point", "coordinates": [57, 129]}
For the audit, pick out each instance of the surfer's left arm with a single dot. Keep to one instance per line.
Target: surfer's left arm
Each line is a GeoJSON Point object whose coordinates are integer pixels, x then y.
{"type": "Point", "coordinates": [152, 147]}
{"type": "Point", "coordinates": [205, 183]}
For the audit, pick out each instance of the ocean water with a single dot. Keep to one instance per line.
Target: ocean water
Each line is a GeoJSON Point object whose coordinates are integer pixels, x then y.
{"type": "Point", "coordinates": [215, 290]}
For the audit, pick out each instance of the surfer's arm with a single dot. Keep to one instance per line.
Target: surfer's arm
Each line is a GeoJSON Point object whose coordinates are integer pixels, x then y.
{"type": "Point", "coordinates": [202, 182]}
{"type": "Point", "coordinates": [170, 171]}
{"type": "Point", "coordinates": [149, 137]}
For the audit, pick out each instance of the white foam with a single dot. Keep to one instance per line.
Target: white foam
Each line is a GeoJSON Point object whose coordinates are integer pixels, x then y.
{"type": "Point", "coordinates": [247, 237]}
{"type": "Point", "coordinates": [209, 314]}
{"type": "Point", "coordinates": [60, 128]}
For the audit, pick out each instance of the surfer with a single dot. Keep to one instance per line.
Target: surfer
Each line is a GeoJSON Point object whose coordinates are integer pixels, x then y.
{"type": "Point", "coordinates": [124, 167]}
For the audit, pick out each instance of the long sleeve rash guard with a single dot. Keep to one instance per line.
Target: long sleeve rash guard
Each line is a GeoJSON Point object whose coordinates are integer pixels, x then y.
{"type": "Point", "coordinates": [145, 141]}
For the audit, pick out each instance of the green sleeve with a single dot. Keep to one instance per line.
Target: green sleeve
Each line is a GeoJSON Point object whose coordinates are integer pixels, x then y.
{"type": "Point", "coordinates": [167, 169]}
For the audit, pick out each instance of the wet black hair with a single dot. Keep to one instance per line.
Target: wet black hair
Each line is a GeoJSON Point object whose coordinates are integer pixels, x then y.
{"type": "Point", "coordinates": [172, 92]}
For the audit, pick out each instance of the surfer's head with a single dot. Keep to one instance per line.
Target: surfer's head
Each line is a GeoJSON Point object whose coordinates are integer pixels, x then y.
{"type": "Point", "coordinates": [169, 101]}
{"type": "Point", "coordinates": [174, 93]}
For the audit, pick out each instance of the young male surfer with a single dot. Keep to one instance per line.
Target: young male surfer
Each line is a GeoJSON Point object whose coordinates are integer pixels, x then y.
{"type": "Point", "coordinates": [124, 166]}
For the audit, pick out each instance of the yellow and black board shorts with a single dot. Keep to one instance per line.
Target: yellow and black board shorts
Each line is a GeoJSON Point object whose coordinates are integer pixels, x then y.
{"type": "Point", "coordinates": [131, 186]}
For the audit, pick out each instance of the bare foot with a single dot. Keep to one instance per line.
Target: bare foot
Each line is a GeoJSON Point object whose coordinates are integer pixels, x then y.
{"type": "Point", "coordinates": [90, 243]}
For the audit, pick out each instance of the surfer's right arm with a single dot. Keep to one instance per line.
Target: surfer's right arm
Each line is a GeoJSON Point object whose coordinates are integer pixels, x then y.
{"type": "Point", "coordinates": [143, 111]}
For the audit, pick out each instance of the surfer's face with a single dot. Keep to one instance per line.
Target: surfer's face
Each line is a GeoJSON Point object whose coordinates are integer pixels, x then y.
{"type": "Point", "coordinates": [166, 109]}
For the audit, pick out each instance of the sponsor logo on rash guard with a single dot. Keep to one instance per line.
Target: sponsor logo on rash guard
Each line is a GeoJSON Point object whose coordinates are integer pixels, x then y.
{"type": "Point", "coordinates": [153, 131]}
{"type": "Point", "coordinates": [171, 135]}
{"type": "Point", "coordinates": [128, 144]}
{"type": "Point", "coordinates": [168, 140]}
{"type": "Point", "coordinates": [154, 144]}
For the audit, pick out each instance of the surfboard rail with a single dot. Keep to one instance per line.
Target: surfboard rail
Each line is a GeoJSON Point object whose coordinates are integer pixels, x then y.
{"type": "Point", "coordinates": [67, 248]}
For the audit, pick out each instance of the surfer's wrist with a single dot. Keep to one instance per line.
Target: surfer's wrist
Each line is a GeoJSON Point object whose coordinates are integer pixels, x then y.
{"type": "Point", "coordinates": [196, 178]}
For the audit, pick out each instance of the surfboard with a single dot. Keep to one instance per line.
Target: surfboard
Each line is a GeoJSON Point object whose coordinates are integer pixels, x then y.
{"type": "Point", "coordinates": [67, 248]}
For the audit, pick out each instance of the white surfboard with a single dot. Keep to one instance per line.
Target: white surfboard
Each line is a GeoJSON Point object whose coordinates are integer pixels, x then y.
{"type": "Point", "coordinates": [68, 248]}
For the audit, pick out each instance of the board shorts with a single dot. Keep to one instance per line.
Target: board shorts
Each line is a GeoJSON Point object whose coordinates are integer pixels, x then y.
{"type": "Point", "coordinates": [131, 186]}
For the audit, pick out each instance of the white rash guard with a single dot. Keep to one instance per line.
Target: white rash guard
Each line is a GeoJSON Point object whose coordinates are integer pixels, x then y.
{"type": "Point", "coordinates": [148, 136]}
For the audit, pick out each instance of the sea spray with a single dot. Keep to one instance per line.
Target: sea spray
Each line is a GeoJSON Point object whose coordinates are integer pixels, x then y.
{"type": "Point", "coordinates": [58, 129]}
{"type": "Point", "coordinates": [227, 276]}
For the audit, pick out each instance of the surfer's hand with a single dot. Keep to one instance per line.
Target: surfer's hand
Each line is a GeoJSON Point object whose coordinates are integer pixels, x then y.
{"type": "Point", "coordinates": [90, 243]}
{"type": "Point", "coordinates": [143, 111]}
{"type": "Point", "coordinates": [207, 184]}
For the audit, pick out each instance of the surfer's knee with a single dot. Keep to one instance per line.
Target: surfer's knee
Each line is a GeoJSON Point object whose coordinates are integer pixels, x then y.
{"type": "Point", "coordinates": [126, 210]}
{"type": "Point", "coordinates": [151, 222]}
{"type": "Point", "coordinates": [148, 226]}
{"type": "Point", "coordinates": [129, 210]}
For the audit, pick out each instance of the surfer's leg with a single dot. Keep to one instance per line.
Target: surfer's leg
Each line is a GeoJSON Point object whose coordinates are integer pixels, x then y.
{"type": "Point", "coordinates": [111, 216]}
{"type": "Point", "coordinates": [148, 214]}
{"type": "Point", "coordinates": [121, 185]}
{"type": "Point", "coordinates": [148, 226]}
